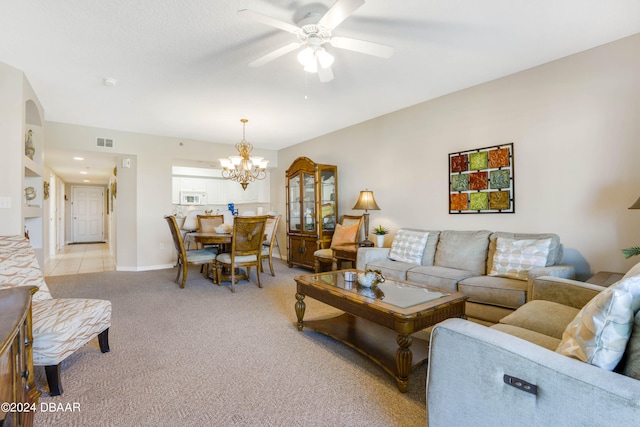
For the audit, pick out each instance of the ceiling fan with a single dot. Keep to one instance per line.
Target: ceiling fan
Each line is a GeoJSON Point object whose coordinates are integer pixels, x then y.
{"type": "Point", "coordinates": [313, 32]}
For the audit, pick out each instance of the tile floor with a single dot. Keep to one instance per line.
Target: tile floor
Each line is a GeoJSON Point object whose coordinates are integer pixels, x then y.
{"type": "Point", "coordinates": [82, 258]}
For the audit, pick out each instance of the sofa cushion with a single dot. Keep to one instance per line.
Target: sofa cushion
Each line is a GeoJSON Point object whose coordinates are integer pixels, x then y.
{"type": "Point", "coordinates": [545, 317]}
{"type": "Point", "coordinates": [500, 291]}
{"type": "Point", "coordinates": [391, 269]}
{"type": "Point", "coordinates": [555, 248]}
{"type": "Point", "coordinates": [514, 258]}
{"type": "Point", "coordinates": [633, 271]}
{"type": "Point", "coordinates": [463, 250]}
{"type": "Point", "coordinates": [438, 277]}
{"type": "Point", "coordinates": [408, 246]}
{"type": "Point", "coordinates": [600, 332]}
{"type": "Point", "coordinates": [534, 337]}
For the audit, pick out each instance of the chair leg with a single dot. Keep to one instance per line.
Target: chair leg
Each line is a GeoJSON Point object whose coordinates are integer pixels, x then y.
{"type": "Point", "coordinates": [233, 279]}
{"type": "Point", "coordinates": [185, 271]}
{"type": "Point", "coordinates": [103, 340]}
{"type": "Point", "coordinates": [258, 276]}
{"type": "Point", "coordinates": [179, 270]}
{"type": "Point", "coordinates": [53, 379]}
{"type": "Point", "coordinates": [271, 265]}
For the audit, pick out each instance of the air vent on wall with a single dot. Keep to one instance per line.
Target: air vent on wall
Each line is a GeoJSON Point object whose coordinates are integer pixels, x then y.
{"type": "Point", "coordinates": [104, 142]}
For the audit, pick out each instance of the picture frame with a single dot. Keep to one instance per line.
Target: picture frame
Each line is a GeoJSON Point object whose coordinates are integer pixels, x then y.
{"type": "Point", "coordinates": [482, 180]}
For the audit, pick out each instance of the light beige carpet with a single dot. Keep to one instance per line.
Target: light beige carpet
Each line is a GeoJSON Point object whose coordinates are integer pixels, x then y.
{"type": "Point", "coordinates": [202, 356]}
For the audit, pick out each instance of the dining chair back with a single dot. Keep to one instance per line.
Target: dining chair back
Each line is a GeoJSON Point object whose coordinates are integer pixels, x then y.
{"type": "Point", "coordinates": [270, 231]}
{"type": "Point", "coordinates": [185, 257]}
{"type": "Point", "coordinates": [246, 247]}
{"type": "Point", "coordinates": [208, 224]}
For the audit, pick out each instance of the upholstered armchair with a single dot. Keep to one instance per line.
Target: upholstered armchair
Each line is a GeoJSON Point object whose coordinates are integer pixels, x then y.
{"type": "Point", "coordinates": [60, 325]}
{"type": "Point", "coordinates": [344, 244]}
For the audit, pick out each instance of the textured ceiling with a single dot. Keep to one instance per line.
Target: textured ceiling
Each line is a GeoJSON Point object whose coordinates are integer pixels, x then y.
{"type": "Point", "coordinates": [182, 66]}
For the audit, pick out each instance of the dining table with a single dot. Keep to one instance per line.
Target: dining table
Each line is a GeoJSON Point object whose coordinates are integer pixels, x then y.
{"type": "Point", "coordinates": [222, 239]}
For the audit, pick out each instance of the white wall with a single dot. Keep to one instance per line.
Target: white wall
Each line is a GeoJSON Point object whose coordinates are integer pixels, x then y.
{"type": "Point", "coordinates": [575, 125]}
{"type": "Point", "coordinates": [576, 134]}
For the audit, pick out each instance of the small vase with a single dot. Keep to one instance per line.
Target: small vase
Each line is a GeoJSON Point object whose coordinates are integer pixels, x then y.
{"type": "Point", "coordinates": [380, 239]}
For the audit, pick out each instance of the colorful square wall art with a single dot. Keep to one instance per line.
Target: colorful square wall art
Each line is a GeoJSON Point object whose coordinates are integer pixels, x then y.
{"type": "Point", "coordinates": [482, 180]}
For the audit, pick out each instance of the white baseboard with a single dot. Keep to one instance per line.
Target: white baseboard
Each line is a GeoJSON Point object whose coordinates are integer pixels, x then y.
{"type": "Point", "coordinates": [145, 268]}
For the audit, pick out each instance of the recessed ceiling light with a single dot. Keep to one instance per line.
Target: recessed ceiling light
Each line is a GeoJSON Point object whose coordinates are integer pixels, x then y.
{"type": "Point", "coordinates": [85, 180]}
{"type": "Point", "coordinates": [84, 172]}
{"type": "Point", "coordinates": [110, 81]}
{"type": "Point", "coordinates": [78, 158]}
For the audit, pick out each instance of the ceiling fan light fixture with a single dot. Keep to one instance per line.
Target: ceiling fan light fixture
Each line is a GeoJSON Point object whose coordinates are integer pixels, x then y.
{"type": "Point", "coordinates": [306, 56]}
{"type": "Point", "coordinates": [325, 59]}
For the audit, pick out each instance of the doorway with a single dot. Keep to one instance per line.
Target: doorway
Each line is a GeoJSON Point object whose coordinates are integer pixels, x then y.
{"type": "Point", "coordinates": [87, 215]}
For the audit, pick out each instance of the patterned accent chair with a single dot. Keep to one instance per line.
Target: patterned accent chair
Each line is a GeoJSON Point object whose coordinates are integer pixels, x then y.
{"type": "Point", "coordinates": [60, 325]}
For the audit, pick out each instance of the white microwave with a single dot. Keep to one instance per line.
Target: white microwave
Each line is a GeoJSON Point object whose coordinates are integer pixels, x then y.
{"type": "Point", "coordinates": [193, 198]}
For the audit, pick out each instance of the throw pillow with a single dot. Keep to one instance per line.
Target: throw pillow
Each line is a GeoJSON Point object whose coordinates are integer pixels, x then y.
{"type": "Point", "coordinates": [408, 246]}
{"type": "Point", "coordinates": [632, 353]}
{"type": "Point", "coordinates": [600, 332]}
{"type": "Point", "coordinates": [514, 258]}
{"type": "Point", "coordinates": [344, 235]}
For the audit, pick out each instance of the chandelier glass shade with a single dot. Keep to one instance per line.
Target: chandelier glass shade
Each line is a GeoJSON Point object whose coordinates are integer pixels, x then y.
{"type": "Point", "coordinates": [244, 168]}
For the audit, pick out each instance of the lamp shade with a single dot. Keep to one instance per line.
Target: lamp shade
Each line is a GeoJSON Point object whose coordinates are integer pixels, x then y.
{"type": "Point", "coordinates": [366, 201]}
{"type": "Point", "coordinates": [636, 205]}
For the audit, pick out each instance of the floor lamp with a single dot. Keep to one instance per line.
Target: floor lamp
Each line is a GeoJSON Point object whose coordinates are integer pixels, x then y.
{"type": "Point", "coordinates": [366, 202]}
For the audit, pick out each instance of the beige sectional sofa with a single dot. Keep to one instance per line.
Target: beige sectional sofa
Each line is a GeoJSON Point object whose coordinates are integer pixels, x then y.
{"type": "Point", "coordinates": [464, 261]}
{"type": "Point", "coordinates": [544, 364]}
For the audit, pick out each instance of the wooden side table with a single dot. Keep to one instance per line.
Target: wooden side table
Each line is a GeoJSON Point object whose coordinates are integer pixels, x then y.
{"type": "Point", "coordinates": [605, 278]}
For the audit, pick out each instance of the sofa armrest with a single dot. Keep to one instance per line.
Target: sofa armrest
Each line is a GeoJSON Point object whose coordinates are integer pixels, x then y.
{"type": "Point", "coordinates": [467, 363]}
{"type": "Point", "coordinates": [566, 271]}
{"type": "Point", "coordinates": [563, 291]}
{"type": "Point", "coordinates": [367, 255]}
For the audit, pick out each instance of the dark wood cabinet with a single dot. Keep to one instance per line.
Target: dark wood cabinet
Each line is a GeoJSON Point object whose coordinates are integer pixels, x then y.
{"type": "Point", "coordinates": [17, 386]}
{"type": "Point", "coordinates": [312, 209]}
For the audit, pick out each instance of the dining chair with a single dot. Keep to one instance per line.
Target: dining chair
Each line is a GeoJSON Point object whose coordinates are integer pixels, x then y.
{"type": "Point", "coordinates": [344, 240]}
{"type": "Point", "coordinates": [270, 230]}
{"type": "Point", "coordinates": [208, 224]}
{"type": "Point", "coordinates": [185, 257]}
{"type": "Point", "coordinates": [246, 248]}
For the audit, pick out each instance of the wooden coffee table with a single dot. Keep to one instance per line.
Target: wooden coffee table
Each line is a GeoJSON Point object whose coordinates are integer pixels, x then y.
{"type": "Point", "coordinates": [379, 321]}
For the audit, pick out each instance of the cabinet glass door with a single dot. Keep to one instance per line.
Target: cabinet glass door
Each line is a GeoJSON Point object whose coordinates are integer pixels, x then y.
{"type": "Point", "coordinates": [294, 203]}
{"type": "Point", "coordinates": [308, 202]}
{"type": "Point", "coordinates": [328, 199]}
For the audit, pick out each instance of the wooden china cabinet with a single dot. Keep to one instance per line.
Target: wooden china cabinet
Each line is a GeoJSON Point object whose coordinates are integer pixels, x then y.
{"type": "Point", "coordinates": [312, 209]}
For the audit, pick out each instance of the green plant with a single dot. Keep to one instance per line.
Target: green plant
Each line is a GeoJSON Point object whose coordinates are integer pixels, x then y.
{"type": "Point", "coordinates": [380, 230]}
{"type": "Point", "coordinates": [629, 252]}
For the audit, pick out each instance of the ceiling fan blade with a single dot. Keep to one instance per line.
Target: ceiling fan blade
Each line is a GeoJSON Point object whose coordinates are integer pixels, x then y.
{"type": "Point", "coordinates": [339, 12]}
{"type": "Point", "coordinates": [325, 74]}
{"type": "Point", "coordinates": [362, 46]}
{"type": "Point", "coordinates": [275, 54]}
{"type": "Point", "coordinates": [267, 20]}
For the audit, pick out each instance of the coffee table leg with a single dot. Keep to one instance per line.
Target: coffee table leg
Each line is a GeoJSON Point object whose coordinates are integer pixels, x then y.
{"type": "Point", "coordinates": [300, 307]}
{"type": "Point", "coordinates": [404, 357]}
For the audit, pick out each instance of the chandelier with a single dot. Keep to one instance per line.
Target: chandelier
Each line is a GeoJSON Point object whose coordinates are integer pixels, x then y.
{"type": "Point", "coordinates": [242, 168]}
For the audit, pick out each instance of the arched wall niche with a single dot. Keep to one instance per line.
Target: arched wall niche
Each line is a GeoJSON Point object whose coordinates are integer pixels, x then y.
{"type": "Point", "coordinates": [32, 115]}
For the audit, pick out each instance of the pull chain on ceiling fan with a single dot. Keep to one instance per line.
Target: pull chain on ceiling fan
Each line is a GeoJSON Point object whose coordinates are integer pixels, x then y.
{"type": "Point", "coordinates": [313, 33]}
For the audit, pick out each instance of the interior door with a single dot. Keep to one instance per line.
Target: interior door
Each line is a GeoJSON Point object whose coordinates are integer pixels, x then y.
{"type": "Point", "coordinates": [88, 214]}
